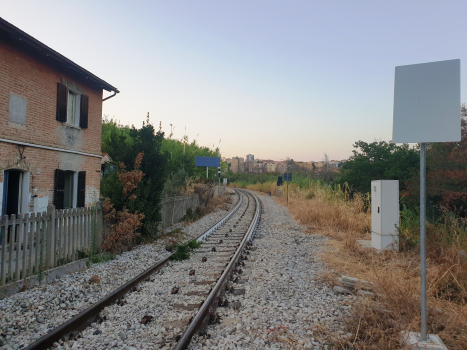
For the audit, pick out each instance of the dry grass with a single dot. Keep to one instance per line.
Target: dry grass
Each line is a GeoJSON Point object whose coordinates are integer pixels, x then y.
{"type": "Point", "coordinates": [377, 323]}
{"type": "Point", "coordinates": [222, 202]}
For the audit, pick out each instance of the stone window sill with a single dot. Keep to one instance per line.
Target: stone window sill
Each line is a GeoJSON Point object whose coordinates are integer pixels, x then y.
{"type": "Point", "coordinates": [72, 126]}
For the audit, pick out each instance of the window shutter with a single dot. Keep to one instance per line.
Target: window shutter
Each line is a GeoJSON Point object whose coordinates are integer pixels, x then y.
{"type": "Point", "coordinates": [83, 118]}
{"type": "Point", "coordinates": [59, 191]}
{"type": "Point", "coordinates": [81, 189]}
{"type": "Point", "coordinates": [62, 98]}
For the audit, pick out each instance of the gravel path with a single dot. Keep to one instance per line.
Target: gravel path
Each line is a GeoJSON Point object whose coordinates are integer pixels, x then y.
{"type": "Point", "coordinates": [26, 316]}
{"type": "Point", "coordinates": [283, 302]}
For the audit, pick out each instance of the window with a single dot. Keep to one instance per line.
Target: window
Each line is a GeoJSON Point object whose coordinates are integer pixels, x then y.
{"type": "Point", "coordinates": [68, 190]}
{"type": "Point", "coordinates": [17, 111]}
{"type": "Point", "coordinates": [72, 115]}
{"type": "Point", "coordinates": [72, 107]}
{"type": "Point", "coordinates": [70, 187]}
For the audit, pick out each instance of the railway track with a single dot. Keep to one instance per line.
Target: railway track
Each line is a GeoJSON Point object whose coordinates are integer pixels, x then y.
{"type": "Point", "coordinates": [170, 302]}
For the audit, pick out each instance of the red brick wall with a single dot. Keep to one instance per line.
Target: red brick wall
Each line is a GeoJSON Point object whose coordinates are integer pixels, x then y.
{"type": "Point", "coordinates": [41, 165]}
{"type": "Point", "coordinates": [36, 82]}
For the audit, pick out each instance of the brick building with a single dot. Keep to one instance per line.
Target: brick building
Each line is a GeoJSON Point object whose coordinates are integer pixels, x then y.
{"type": "Point", "coordinates": [50, 127]}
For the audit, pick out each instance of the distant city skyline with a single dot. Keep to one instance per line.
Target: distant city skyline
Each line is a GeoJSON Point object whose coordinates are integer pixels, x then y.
{"type": "Point", "coordinates": [276, 79]}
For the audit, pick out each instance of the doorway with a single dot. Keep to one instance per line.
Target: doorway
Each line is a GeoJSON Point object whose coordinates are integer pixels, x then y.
{"type": "Point", "coordinates": [15, 192]}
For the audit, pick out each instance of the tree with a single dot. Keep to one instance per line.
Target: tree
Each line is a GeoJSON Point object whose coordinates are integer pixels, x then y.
{"type": "Point", "coordinates": [446, 181]}
{"type": "Point", "coordinates": [123, 144]}
{"type": "Point", "coordinates": [379, 160]}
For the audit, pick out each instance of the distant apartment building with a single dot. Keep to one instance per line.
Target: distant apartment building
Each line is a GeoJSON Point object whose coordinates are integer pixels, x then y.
{"type": "Point", "coordinates": [319, 164]}
{"type": "Point", "coordinates": [237, 165]}
{"type": "Point", "coordinates": [330, 164]}
{"type": "Point", "coordinates": [281, 167]}
{"type": "Point", "coordinates": [256, 167]}
{"type": "Point", "coordinates": [269, 167]}
{"type": "Point", "coordinates": [250, 158]}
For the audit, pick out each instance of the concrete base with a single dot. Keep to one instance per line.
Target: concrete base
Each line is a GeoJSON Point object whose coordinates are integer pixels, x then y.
{"type": "Point", "coordinates": [49, 276]}
{"type": "Point", "coordinates": [413, 340]}
{"type": "Point", "coordinates": [366, 243]}
{"type": "Point", "coordinates": [387, 242]}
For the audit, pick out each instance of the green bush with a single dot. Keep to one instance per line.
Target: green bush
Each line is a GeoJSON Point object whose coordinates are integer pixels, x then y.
{"type": "Point", "coordinates": [182, 253]}
{"type": "Point", "coordinates": [193, 244]}
{"type": "Point", "coordinates": [183, 250]}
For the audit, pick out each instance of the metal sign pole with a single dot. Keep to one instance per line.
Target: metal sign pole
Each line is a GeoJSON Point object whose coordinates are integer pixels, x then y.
{"type": "Point", "coordinates": [207, 172]}
{"type": "Point", "coordinates": [423, 237]}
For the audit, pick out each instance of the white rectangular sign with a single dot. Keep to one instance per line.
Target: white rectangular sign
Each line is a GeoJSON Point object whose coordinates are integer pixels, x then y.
{"type": "Point", "coordinates": [427, 103]}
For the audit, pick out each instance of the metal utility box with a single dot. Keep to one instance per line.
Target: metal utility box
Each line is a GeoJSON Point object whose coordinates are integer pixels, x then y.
{"type": "Point", "coordinates": [384, 214]}
{"type": "Point", "coordinates": [40, 204]}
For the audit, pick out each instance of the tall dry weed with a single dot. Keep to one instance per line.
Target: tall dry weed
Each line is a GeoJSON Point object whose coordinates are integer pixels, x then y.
{"type": "Point", "coordinates": [395, 276]}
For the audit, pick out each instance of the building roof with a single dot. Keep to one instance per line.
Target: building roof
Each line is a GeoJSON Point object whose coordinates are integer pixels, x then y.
{"type": "Point", "coordinates": [25, 42]}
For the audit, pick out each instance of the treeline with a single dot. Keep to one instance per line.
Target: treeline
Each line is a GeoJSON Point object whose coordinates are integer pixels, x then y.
{"type": "Point", "coordinates": [380, 160]}
{"type": "Point", "coordinates": [446, 170]}
{"type": "Point", "coordinates": [167, 169]}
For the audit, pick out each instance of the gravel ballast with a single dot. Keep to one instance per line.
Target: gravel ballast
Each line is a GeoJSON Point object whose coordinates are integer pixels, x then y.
{"type": "Point", "coordinates": [283, 302]}
{"type": "Point", "coordinates": [275, 301]}
{"type": "Point", "coordinates": [28, 315]}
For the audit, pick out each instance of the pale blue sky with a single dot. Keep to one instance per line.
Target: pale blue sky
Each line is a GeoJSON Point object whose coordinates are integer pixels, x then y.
{"type": "Point", "coordinates": [273, 78]}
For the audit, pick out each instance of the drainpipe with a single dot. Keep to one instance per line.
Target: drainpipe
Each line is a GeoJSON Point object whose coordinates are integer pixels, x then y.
{"type": "Point", "coordinates": [115, 92]}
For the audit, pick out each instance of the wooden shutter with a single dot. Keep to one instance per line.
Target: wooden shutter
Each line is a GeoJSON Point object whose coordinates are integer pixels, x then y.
{"type": "Point", "coordinates": [81, 189]}
{"type": "Point", "coordinates": [62, 99]}
{"type": "Point", "coordinates": [83, 117]}
{"type": "Point", "coordinates": [59, 190]}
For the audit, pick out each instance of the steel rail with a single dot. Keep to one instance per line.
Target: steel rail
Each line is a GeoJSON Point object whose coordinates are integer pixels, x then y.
{"type": "Point", "coordinates": [89, 315]}
{"type": "Point", "coordinates": [200, 320]}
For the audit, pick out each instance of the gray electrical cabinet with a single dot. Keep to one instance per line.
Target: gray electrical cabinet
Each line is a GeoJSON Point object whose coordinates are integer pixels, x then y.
{"type": "Point", "coordinates": [385, 214]}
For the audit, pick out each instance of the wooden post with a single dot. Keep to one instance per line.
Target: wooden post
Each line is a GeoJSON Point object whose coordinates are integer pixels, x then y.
{"type": "Point", "coordinates": [86, 228]}
{"type": "Point", "coordinates": [66, 228]}
{"type": "Point", "coordinates": [73, 233]}
{"type": "Point", "coordinates": [4, 232]}
{"type": "Point", "coordinates": [99, 223]}
{"type": "Point", "coordinates": [25, 232]}
{"type": "Point", "coordinates": [11, 246]}
{"type": "Point", "coordinates": [37, 251]}
{"type": "Point", "coordinates": [30, 229]}
{"type": "Point", "coordinates": [50, 239]}
{"type": "Point", "coordinates": [16, 235]}
{"type": "Point", "coordinates": [80, 228]}
{"type": "Point", "coordinates": [21, 245]}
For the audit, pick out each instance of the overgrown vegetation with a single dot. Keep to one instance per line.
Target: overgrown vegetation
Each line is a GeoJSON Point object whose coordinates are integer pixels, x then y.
{"type": "Point", "coordinates": [167, 167]}
{"type": "Point", "coordinates": [342, 212]}
{"type": "Point", "coordinates": [124, 145]}
{"type": "Point", "coordinates": [344, 215]}
{"type": "Point", "coordinates": [192, 215]}
{"type": "Point", "coordinates": [379, 160]}
{"type": "Point", "coordinates": [183, 250]}
{"type": "Point", "coordinates": [123, 225]}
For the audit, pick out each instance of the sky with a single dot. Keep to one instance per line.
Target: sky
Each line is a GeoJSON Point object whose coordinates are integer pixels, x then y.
{"type": "Point", "coordinates": [272, 78]}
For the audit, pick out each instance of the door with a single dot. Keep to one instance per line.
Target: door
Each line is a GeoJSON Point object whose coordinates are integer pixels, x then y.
{"type": "Point", "coordinates": [376, 206]}
{"type": "Point", "coordinates": [14, 187]}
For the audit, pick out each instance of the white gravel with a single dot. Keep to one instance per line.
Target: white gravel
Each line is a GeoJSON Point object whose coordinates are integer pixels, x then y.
{"type": "Point", "coordinates": [121, 323]}
{"type": "Point", "coordinates": [282, 306]}
{"type": "Point", "coordinates": [283, 303]}
{"type": "Point", "coordinates": [26, 316]}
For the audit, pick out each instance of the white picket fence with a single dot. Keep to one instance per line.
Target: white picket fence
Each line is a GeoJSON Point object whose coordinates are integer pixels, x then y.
{"type": "Point", "coordinates": [35, 242]}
